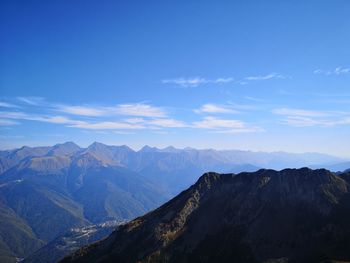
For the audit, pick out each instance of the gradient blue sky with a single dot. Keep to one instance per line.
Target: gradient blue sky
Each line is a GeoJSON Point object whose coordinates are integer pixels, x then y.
{"type": "Point", "coordinates": [253, 75]}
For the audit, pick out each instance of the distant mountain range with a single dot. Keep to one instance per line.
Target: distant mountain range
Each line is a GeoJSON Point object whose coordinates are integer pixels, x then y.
{"type": "Point", "coordinates": [45, 191]}
{"type": "Point", "coordinates": [174, 168]}
{"type": "Point", "coordinates": [295, 215]}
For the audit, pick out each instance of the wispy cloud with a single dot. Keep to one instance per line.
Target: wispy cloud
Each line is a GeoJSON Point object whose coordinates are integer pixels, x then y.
{"type": "Point", "coordinates": [299, 112]}
{"type": "Point", "coordinates": [81, 110]}
{"type": "Point", "coordinates": [254, 99]}
{"type": "Point", "coordinates": [141, 110]}
{"type": "Point", "coordinates": [225, 125]}
{"type": "Point", "coordinates": [196, 81]}
{"type": "Point", "coordinates": [336, 71]}
{"type": "Point", "coordinates": [130, 109]}
{"type": "Point", "coordinates": [34, 101]}
{"type": "Point", "coordinates": [167, 123]}
{"type": "Point", "coordinates": [214, 108]}
{"type": "Point", "coordinates": [128, 117]}
{"type": "Point", "coordinates": [266, 77]}
{"type": "Point", "coordinates": [216, 123]}
{"type": "Point", "coordinates": [132, 123]}
{"type": "Point", "coordinates": [8, 105]}
{"type": "Point", "coordinates": [308, 118]}
{"type": "Point", "coordinates": [107, 125]}
{"type": "Point", "coordinates": [5, 122]}
{"type": "Point", "coordinates": [33, 117]}
{"type": "Point", "coordinates": [253, 129]}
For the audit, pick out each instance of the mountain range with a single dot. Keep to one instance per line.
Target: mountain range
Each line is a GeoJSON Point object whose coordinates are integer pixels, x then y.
{"type": "Point", "coordinates": [46, 191]}
{"type": "Point", "coordinates": [293, 215]}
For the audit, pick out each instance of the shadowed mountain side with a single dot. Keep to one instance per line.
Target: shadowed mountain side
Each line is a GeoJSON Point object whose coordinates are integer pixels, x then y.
{"type": "Point", "coordinates": [298, 215]}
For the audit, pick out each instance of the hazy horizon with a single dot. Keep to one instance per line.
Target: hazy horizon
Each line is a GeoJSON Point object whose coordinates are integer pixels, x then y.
{"type": "Point", "coordinates": [162, 147]}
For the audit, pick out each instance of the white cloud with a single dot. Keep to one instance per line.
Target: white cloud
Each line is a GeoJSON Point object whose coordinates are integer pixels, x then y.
{"type": "Point", "coordinates": [107, 125]}
{"type": "Point", "coordinates": [12, 115]}
{"type": "Point", "coordinates": [81, 110]}
{"type": "Point", "coordinates": [336, 71]}
{"type": "Point", "coordinates": [167, 123]}
{"type": "Point", "coordinates": [34, 101]}
{"type": "Point", "coordinates": [308, 118]}
{"type": "Point", "coordinates": [225, 126]}
{"type": "Point", "coordinates": [56, 119]}
{"type": "Point", "coordinates": [130, 109]}
{"type": "Point", "coordinates": [131, 123]}
{"type": "Point", "coordinates": [254, 99]}
{"type": "Point", "coordinates": [135, 120]}
{"type": "Point", "coordinates": [214, 108]}
{"type": "Point", "coordinates": [127, 117]}
{"type": "Point", "coordinates": [299, 112]}
{"type": "Point", "coordinates": [300, 121]}
{"type": "Point", "coordinates": [5, 122]}
{"type": "Point", "coordinates": [242, 130]}
{"type": "Point", "coordinates": [140, 110]}
{"type": "Point", "coordinates": [196, 81]}
{"type": "Point", "coordinates": [215, 123]}
{"type": "Point", "coordinates": [7, 105]}
{"type": "Point", "coordinates": [31, 117]}
{"type": "Point", "coordinates": [267, 77]}
{"type": "Point", "coordinates": [124, 132]}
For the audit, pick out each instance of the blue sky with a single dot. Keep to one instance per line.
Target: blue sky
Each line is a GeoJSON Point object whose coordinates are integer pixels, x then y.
{"type": "Point", "coordinates": [252, 75]}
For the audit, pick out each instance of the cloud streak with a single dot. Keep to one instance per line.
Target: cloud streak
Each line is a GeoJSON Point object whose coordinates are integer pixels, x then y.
{"type": "Point", "coordinates": [266, 77]}
{"type": "Point", "coordinates": [130, 109]}
{"type": "Point", "coordinates": [126, 118]}
{"type": "Point", "coordinates": [225, 125]}
{"type": "Point", "coordinates": [5, 122]}
{"type": "Point", "coordinates": [196, 81]}
{"type": "Point", "coordinates": [34, 101]}
{"type": "Point", "coordinates": [329, 72]}
{"type": "Point", "coordinates": [308, 118]}
{"type": "Point", "coordinates": [8, 105]}
{"type": "Point", "coordinates": [214, 108]}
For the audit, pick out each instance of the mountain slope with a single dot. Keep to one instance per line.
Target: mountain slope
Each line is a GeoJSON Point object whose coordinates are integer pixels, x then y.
{"type": "Point", "coordinates": [297, 215]}
{"type": "Point", "coordinates": [17, 239]}
{"type": "Point", "coordinates": [70, 241]}
{"type": "Point", "coordinates": [54, 189]}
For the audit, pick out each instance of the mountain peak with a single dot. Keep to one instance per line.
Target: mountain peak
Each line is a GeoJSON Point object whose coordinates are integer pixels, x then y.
{"type": "Point", "coordinates": [148, 148]}
{"type": "Point", "coordinates": [97, 145]}
{"type": "Point", "coordinates": [170, 149]}
{"type": "Point", "coordinates": [66, 148]}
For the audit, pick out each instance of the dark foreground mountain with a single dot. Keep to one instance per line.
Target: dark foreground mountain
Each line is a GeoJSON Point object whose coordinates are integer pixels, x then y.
{"type": "Point", "coordinates": [295, 215]}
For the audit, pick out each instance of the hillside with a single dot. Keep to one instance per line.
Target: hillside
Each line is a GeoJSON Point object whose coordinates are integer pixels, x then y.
{"type": "Point", "coordinates": [70, 241]}
{"type": "Point", "coordinates": [295, 215]}
{"type": "Point", "coordinates": [42, 197]}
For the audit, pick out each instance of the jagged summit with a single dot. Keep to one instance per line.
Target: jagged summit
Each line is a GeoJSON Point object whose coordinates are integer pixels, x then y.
{"type": "Point", "coordinates": [67, 148]}
{"type": "Point", "coordinates": [147, 148]}
{"type": "Point", "coordinates": [293, 214]}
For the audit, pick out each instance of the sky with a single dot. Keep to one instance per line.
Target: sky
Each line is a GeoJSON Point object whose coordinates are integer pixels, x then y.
{"type": "Point", "coordinates": [251, 75]}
